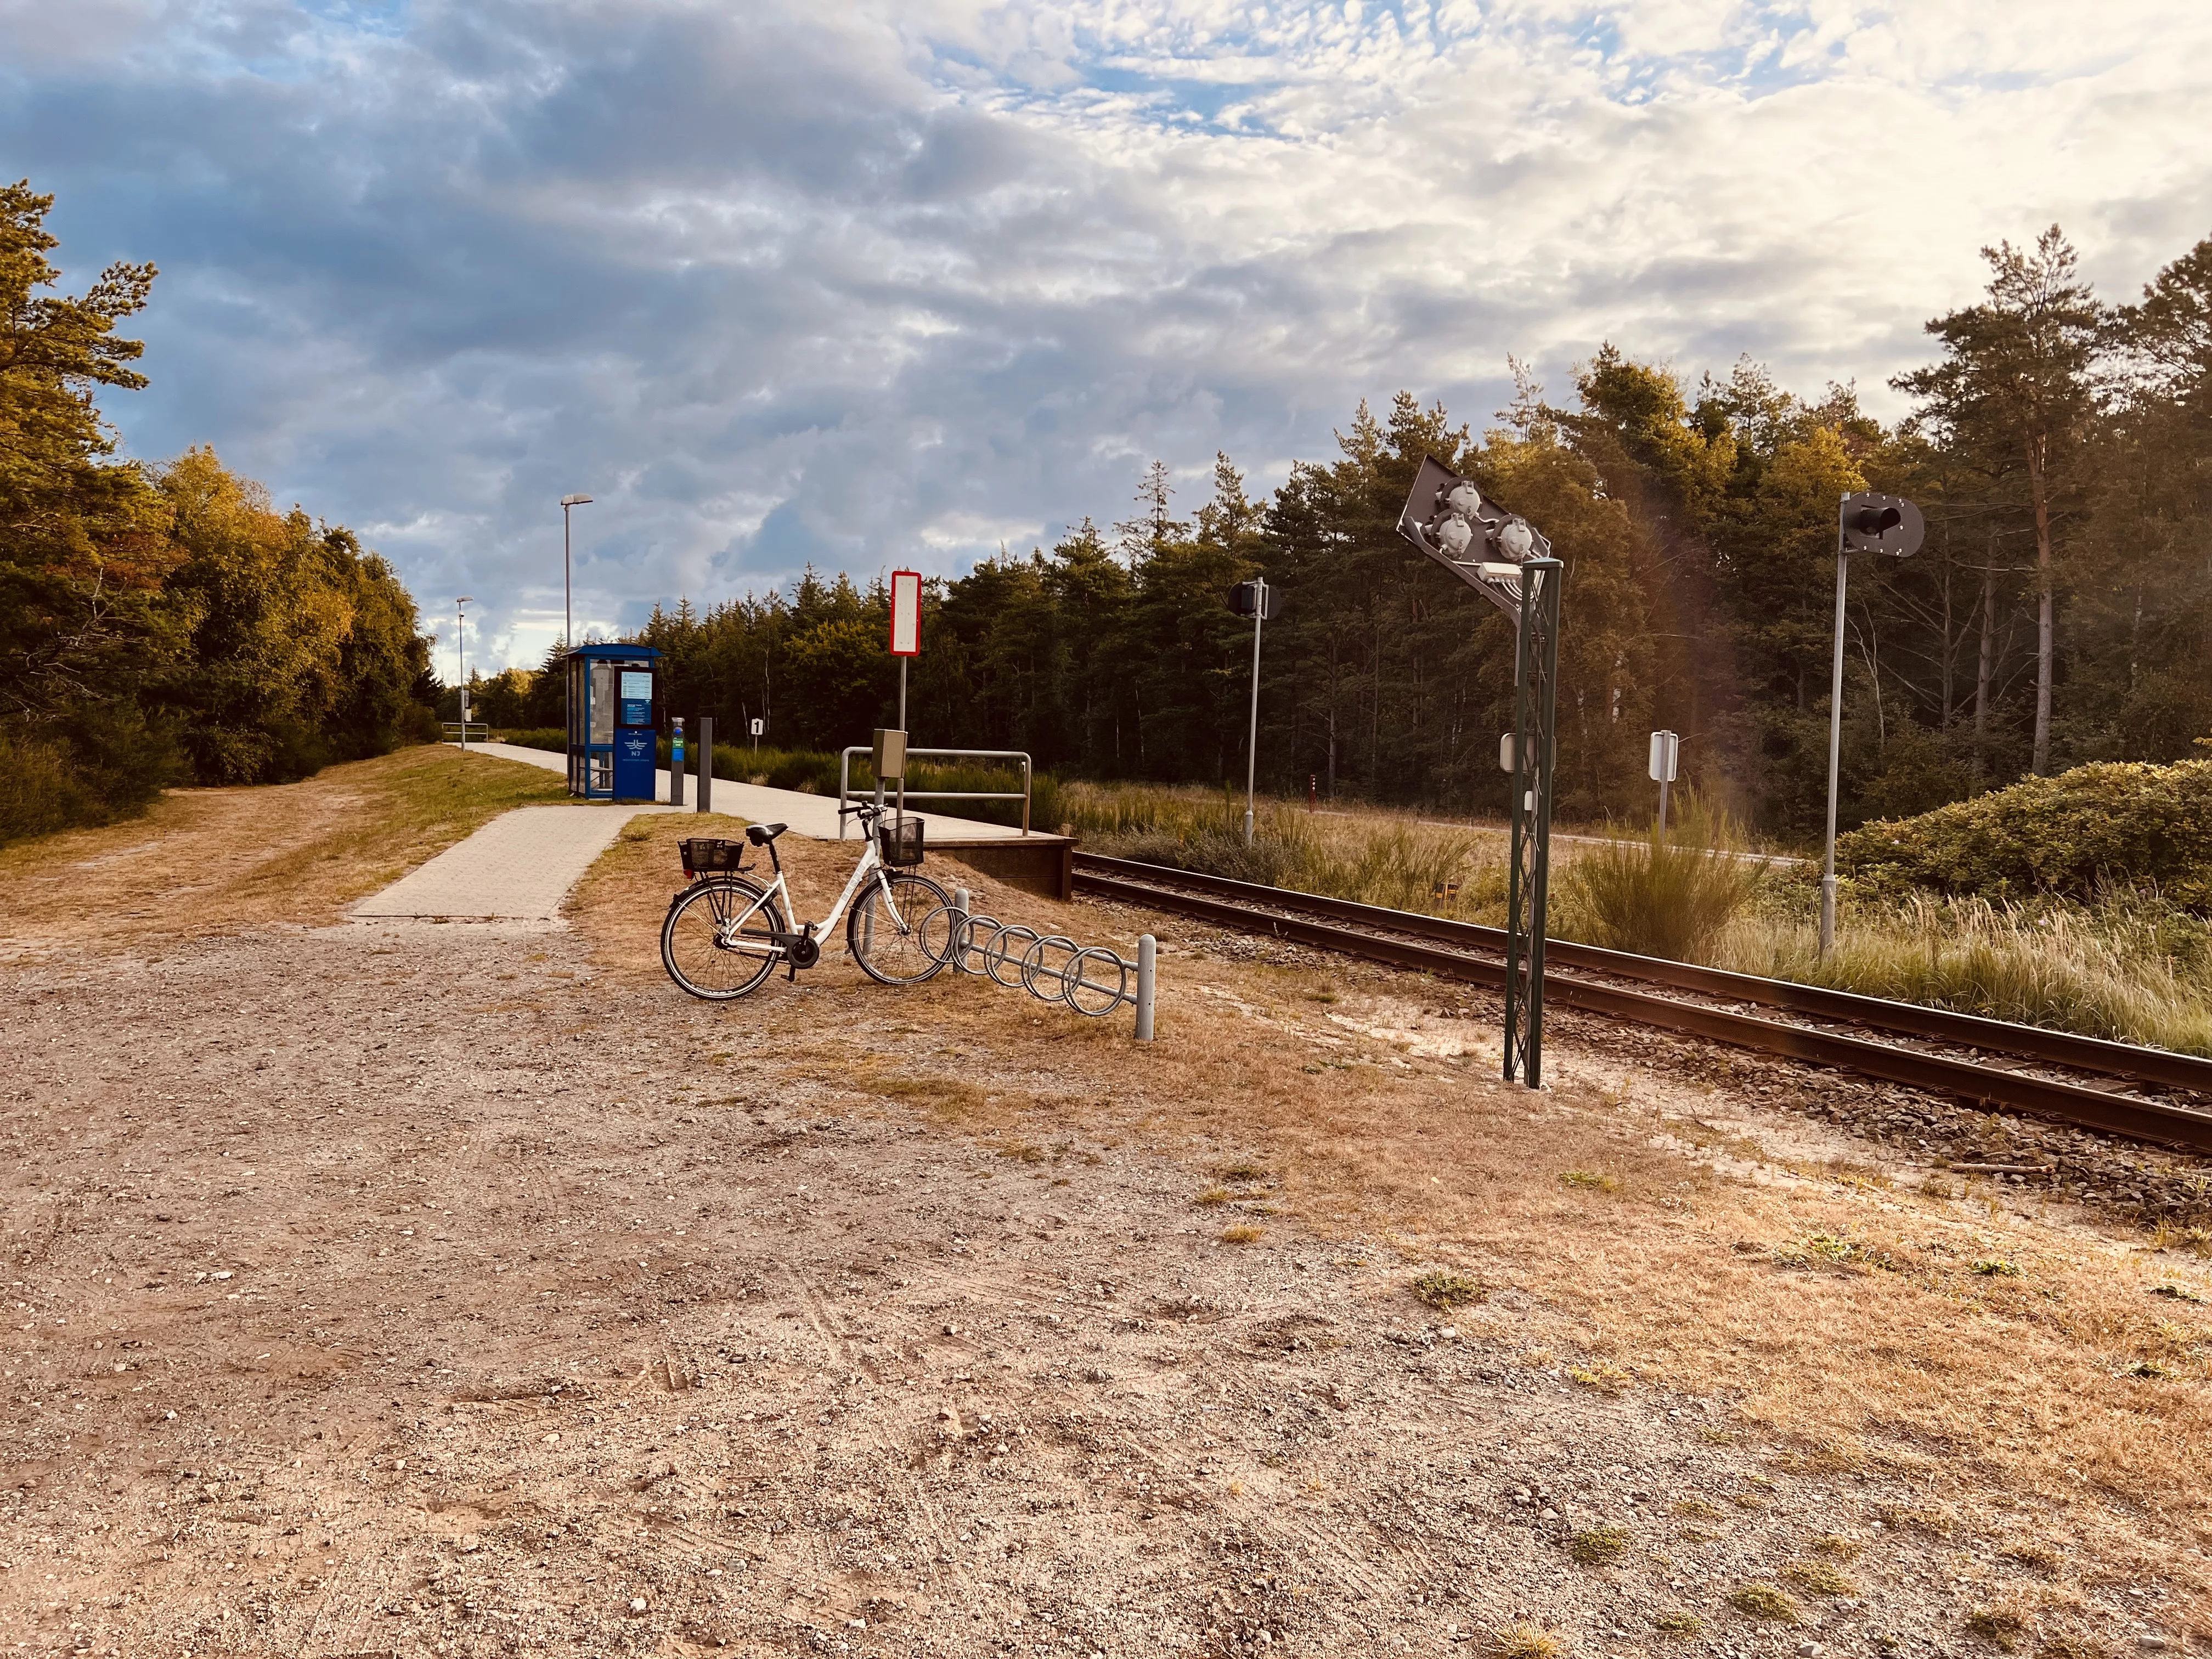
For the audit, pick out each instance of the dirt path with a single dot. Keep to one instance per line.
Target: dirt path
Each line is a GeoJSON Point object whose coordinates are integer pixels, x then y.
{"type": "Point", "coordinates": [405, 1289]}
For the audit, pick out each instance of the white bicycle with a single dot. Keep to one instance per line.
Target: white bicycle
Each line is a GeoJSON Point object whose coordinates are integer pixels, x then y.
{"type": "Point", "coordinates": [725, 933]}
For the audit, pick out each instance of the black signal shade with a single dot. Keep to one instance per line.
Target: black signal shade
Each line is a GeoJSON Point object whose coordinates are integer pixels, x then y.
{"type": "Point", "coordinates": [1881, 523]}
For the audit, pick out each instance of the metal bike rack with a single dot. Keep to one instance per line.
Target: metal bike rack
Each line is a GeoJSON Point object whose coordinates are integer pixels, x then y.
{"type": "Point", "coordinates": [1092, 980]}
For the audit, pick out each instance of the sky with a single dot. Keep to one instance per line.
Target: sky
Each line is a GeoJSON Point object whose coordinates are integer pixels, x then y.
{"type": "Point", "coordinates": [870, 284]}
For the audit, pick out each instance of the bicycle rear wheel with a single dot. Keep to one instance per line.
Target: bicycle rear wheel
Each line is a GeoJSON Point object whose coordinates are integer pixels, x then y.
{"type": "Point", "coordinates": [715, 942]}
{"type": "Point", "coordinates": [885, 930]}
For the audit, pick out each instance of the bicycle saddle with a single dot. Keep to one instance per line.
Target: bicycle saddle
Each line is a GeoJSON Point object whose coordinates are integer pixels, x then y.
{"type": "Point", "coordinates": [760, 834]}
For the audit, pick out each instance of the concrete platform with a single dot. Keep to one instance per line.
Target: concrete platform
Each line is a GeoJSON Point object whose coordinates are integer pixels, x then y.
{"type": "Point", "coordinates": [814, 816]}
{"type": "Point", "coordinates": [518, 867]}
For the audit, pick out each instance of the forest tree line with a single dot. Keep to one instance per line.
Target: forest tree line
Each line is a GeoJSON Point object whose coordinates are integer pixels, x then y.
{"type": "Point", "coordinates": [2060, 610]}
{"type": "Point", "coordinates": [163, 623]}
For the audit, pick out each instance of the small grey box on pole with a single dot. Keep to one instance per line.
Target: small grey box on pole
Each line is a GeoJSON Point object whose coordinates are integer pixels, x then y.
{"type": "Point", "coordinates": [1148, 956]}
{"type": "Point", "coordinates": [706, 763]}
{"type": "Point", "coordinates": [1666, 755]}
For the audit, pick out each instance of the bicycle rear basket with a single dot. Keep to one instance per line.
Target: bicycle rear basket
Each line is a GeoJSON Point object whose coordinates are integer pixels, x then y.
{"type": "Point", "coordinates": [702, 857]}
{"type": "Point", "coordinates": [901, 842]}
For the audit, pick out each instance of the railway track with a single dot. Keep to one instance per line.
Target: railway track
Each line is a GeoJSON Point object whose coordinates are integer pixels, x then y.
{"type": "Point", "coordinates": [2145, 1094]}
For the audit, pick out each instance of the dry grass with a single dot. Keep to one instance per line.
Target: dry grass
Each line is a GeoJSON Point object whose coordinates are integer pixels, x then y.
{"type": "Point", "coordinates": [1764, 1602]}
{"type": "Point", "coordinates": [1599, 1547]}
{"type": "Point", "coordinates": [1819, 1579]}
{"type": "Point", "coordinates": [2132, 970]}
{"type": "Point", "coordinates": [1374, 857]}
{"type": "Point", "coordinates": [1895, 1345]}
{"type": "Point", "coordinates": [1527, 1642]}
{"type": "Point", "coordinates": [1445, 1291]}
{"type": "Point", "coordinates": [207, 861]}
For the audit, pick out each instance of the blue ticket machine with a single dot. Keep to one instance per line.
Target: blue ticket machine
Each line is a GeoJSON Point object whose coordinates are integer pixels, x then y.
{"type": "Point", "coordinates": [614, 706]}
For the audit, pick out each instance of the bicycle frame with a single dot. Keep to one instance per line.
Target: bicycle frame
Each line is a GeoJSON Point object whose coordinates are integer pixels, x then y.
{"type": "Point", "coordinates": [867, 871]}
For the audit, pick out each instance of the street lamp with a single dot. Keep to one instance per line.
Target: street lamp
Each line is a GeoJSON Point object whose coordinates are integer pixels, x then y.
{"type": "Point", "coordinates": [568, 603]}
{"type": "Point", "coordinates": [1255, 600]}
{"type": "Point", "coordinates": [461, 646]}
{"type": "Point", "coordinates": [1865, 523]}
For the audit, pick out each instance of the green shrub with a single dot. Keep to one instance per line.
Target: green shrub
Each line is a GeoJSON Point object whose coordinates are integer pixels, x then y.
{"type": "Point", "coordinates": [108, 764]}
{"type": "Point", "coordinates": [1668, 898]}
{"type": "Point", "coordinates": [2114, 823]}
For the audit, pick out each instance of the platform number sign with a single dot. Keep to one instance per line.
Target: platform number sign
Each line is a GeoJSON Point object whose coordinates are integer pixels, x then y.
{"type": "Point", "coordinates": [906, 613]}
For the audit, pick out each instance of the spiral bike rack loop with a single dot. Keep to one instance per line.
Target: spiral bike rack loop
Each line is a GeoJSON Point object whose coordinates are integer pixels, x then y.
{"type": "Point", "coordinates": [1092, 980]}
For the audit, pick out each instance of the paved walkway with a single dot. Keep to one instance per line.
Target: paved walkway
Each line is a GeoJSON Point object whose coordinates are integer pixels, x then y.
{"type": "Point", "coordinates": [518, 867]}
{"type": "Point", "coordinates": [814, 816]}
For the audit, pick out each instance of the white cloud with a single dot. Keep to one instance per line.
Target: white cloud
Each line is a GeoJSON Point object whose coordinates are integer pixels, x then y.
{"type": "Point", "coordinates": [787, 281]}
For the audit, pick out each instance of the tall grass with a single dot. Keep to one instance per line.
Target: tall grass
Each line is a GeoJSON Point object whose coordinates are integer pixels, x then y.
{"type": "Point", "coordinates": [1381, 858]}
{"type": "Point", "coordinates": [2128, 967]}
{"type": "Point", "coordinates": [1669, 896]}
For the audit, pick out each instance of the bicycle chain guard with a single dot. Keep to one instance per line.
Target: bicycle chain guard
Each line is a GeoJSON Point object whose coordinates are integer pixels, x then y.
{"type": "Point", "coordinates": [801, 950]}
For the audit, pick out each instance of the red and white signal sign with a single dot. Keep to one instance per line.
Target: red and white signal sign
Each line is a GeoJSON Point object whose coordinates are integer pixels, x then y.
{"type": "Point", "coordinates": [906, 613]}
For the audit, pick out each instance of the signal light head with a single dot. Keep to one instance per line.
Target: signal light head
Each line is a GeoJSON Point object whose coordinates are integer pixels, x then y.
{"type": "Point", "coordinates": [1879, 524]}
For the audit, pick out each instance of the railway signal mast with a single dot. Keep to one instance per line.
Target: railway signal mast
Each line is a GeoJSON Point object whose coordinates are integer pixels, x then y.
{"type": "Point", "coordinates": [1865, 523]}
{"type": "Point", "coordinates": [1502, 557]}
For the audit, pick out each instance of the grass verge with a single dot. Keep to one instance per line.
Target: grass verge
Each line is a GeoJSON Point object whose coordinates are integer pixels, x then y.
{"type": "Point", "coordinates": [205, 860]}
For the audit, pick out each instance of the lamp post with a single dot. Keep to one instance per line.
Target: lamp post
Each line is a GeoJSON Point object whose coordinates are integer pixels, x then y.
{"type": "Point", "coordinates": [1255, 600]}
{"type": "Point", "coordinates": [568, 603]}
{"type": "Point", "coordinates": [1865, 523]}
{"type": "Point", "coordinates": [461, 646]}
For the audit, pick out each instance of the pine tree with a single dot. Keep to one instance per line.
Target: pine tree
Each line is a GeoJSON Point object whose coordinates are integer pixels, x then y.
{"type": "Point", "coordinates": [2014, 384]}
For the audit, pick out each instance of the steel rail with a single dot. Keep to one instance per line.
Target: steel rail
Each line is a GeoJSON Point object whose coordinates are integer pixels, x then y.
{"type": "Point", "coordinates": [1401, 938]}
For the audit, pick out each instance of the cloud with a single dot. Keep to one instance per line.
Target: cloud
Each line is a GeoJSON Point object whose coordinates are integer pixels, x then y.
{"type": "Point", "coordinates": [901, 280]}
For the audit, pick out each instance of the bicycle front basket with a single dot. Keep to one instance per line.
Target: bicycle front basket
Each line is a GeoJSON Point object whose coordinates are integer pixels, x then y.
{"type": "Point", "coordinates": [702, 857]}
{"type": "Point", "coordinates": [901, 842]}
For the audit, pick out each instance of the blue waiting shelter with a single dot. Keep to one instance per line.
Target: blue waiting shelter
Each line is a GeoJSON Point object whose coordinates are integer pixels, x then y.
{"type": "Point", "coordinates": [614, 721]}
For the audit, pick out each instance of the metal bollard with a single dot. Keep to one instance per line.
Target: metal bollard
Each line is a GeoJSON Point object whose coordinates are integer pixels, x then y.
{"type": "Point", "coordinates": [706, 763]}
{"type": "Point", "coordinates": [1148, 951]}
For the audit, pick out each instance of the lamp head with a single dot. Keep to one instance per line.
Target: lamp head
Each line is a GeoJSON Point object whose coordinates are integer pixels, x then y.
{"type": "Point", "coordinates": [575, 500]}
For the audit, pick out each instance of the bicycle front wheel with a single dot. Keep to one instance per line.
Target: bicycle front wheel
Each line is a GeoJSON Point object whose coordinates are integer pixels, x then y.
{"type": "Point", "coordinates": [884, 929]}
{"type": "Point", "coordinates": [716, 942]}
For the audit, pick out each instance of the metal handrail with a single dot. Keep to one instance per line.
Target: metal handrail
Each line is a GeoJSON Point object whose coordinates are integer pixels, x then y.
{"type": "Point", "coordinates": [845, 779]}
{"type": "Point", "coordinates": [477, 730]}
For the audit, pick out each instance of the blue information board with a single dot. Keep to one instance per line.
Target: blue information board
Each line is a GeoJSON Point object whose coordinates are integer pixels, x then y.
{"type": "Point", "coordinates": [634, 736]}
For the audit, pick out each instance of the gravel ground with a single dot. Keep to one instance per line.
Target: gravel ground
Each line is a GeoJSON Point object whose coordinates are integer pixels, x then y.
{"type": "Point", "coordinates": [403, 1289]}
